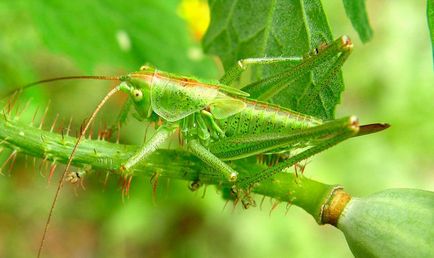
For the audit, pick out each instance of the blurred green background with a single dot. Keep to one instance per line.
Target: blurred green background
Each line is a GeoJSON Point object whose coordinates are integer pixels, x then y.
{"type": "Point", "coordinates": [390, 79]}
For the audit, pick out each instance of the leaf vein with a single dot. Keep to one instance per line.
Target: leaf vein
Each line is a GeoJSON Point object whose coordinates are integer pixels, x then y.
{"type": "Point", "coordinates": [268, 26]}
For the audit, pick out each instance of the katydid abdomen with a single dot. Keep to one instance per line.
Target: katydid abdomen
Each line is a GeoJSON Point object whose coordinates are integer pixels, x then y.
{"type": "Point", "coordinates": [260, 117]}
{"type": "Point", "coordinates": [262, 127]}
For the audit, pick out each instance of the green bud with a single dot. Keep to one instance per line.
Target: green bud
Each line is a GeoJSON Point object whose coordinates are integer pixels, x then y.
{"type": "Point", "coordinates": [392, 223]}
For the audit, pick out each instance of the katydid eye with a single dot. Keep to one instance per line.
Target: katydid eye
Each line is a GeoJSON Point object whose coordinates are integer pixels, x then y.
{"type": "Point", "coordinates": [137, 95]}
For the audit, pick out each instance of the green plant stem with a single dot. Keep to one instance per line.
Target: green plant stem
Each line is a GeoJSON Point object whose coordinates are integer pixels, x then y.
{"type": "Point", "coordinates": [177, 164]}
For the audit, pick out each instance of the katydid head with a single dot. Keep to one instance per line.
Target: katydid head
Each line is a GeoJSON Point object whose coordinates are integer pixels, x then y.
{"type": "Point", "coordinates": [139, 90]}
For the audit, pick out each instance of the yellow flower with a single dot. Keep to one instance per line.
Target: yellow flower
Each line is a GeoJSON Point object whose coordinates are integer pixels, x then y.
{"type": "Point", "coordinates": [196, 13]}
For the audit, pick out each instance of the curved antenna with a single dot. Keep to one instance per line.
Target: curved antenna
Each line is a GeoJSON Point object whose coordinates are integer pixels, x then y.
{"type": "Point", "coordinates": [63, 78]}
{"type": "Point", "coordinates": [68, 164]}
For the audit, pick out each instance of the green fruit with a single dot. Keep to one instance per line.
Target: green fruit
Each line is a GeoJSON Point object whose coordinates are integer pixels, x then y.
{"type": "Point", "coordinates": [392, 223]}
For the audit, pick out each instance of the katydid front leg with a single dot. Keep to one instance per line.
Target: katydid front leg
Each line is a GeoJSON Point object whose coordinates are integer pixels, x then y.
{"type": "Point", "coordinates": [160, 136]}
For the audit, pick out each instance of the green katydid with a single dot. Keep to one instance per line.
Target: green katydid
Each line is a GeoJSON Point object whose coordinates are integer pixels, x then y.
{"type": "Point", "coordinates": [220, 123]}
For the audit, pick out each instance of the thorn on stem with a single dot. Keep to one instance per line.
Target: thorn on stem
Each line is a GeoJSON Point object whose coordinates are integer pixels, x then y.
{"type": "Point", "coordinates": [154, 182]}
{"type": "Point", "coordinates": [226, 204]}
{"type": "Point", "coordinates": [106, 179]}
{"type": "Point", "coordinates": [288, 206]}
{"type": "Point", "coordinates": [204, 191]}
{"type": "Point", "coordinates": [34, 116]}
{"type": "Point", "coordinates": [42, 165]}
{"type": "Point", "coordinates": [68, 129]}
{"type": "Point", "coordinates": [262, 202]}
{"type": "Point", "coordinates": [274, 206]}
{"type": "Point", "coordinates": [54, 123]}
{"type": "Point", "coordinates": [52, 169]}
{"type": "Point", "coordinates": [25, 108]}
{"type": "Point", "coordinates": [126, 183]}
{"type": "Point", "coordinates": [10, 159]}
{"type": "Point", "coordinates": [41, 124]}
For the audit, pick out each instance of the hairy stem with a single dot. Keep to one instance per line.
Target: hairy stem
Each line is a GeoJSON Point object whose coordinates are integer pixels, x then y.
{"type": "Point", "coordinates": [308, 194]}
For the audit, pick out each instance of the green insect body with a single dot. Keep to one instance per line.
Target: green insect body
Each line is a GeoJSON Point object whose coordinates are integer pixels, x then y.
{"type": "Point", "coordinates": [220, 122]}
{"type": "Point", "coordinates": [207, 112]}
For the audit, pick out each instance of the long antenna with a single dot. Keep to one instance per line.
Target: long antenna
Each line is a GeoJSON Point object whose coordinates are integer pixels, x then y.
{"type": "Point", "coordinates": [74, 77]}
{"type": "Point", "coordinates": [68, 165]}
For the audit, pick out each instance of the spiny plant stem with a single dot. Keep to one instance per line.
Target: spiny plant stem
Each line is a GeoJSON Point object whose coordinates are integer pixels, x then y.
{"type": "Point", "coordinates": [291, 188]}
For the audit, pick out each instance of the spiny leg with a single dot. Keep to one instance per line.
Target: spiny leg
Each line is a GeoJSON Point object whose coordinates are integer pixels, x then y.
{"type": "Point", "coordinates": [160, 136]}
{"type": "Point", "coordinates": [268, 87]}
{"type": "Point", "coordinates": [351, 130]}
{"type": "Point", "coordinates": [329, 76]}
{"type": "Point", "coordinates": [206, 156]}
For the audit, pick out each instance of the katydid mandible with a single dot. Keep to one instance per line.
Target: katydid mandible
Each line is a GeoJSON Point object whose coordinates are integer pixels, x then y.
{"type": "Point", "coordinates": [218, 122]}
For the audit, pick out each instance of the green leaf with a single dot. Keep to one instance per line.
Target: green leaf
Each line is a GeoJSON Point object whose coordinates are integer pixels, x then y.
{"type": "Point", "coordinates": [241, 29]}
{"type": "Point", "coordinates": [430, 14]}
{"type": "Point", "coordinates": [356, 11]}
{"type": "Point", "coordinates": [112, 33]}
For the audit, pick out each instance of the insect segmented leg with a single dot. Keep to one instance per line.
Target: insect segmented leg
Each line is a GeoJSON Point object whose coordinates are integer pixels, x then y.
{"type": "Point", "coordinates": [349, 129]}
{"type": "Point", "coordinates": [242, 146]}
{"type": "Point", "coordinates": [270, 86]}
{"type": "Point", "coordinates": [202, 130]}
{"type": "Point", "coordinates": [160, 136]}
{"type": "Point", "coordinates": [216, 131]}
{"type": "Point", "coordinates": [206, 156]}
{"type": "Point", "coordinates": [235, 72]}
{"type": "Point", "coordinates": [309, 140]}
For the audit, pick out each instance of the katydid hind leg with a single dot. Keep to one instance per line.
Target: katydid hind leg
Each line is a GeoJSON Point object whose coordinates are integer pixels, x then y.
{"type": "Point", "coordinates": [350, 131]}
{"type": "Point", "coordinates": [330, 75]}
{"type": "Point", "coordinates": [268, 87]}
{"type": "Point", "coordinates": [243, 146]}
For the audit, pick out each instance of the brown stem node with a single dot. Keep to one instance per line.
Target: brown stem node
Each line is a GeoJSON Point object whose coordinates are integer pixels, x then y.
{"type": "Point", "coordinates": [333, 207]}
